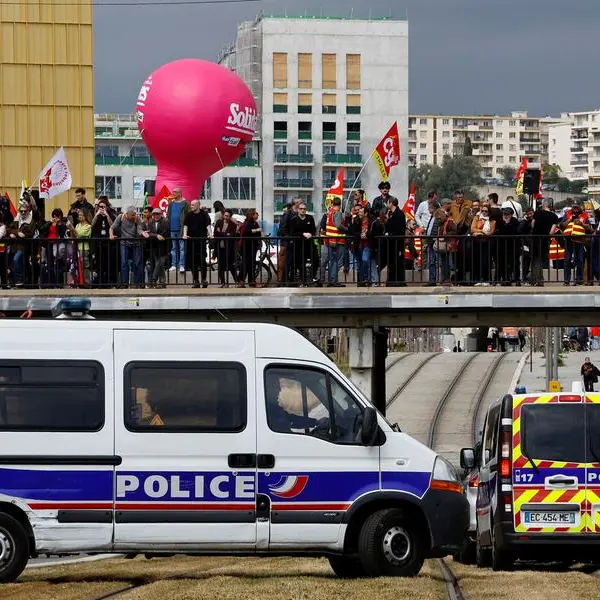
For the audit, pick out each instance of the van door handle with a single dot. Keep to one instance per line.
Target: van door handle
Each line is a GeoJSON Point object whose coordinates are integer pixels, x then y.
{"type": "Point", "coordinates": [241, 461]}
{"type": "Point", "coordinates": [562, 481]}
{"type": "Point", "coordinates": [265, 461]}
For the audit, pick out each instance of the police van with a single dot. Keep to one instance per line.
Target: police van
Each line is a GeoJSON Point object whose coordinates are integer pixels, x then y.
{"type": "Point", "coordinates": [156, 438]}
{"type": "Point", "coordinates": [539, 479]}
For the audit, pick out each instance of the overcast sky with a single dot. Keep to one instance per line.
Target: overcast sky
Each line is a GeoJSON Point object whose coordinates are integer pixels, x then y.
{"type": "Point", "coordinates": [466, 56]}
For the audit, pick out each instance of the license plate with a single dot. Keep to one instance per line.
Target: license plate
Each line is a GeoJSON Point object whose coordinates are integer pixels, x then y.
{"type": "Point", "coordinates": [554, 517]}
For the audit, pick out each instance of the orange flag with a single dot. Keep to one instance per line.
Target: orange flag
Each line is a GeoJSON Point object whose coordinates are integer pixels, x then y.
{"type": "Point", "coordinates": [336, 190]}
{"type": "Point", "coordinates": [521, 176]}
{"type": "Point", "coordinates": [409, 206]}
{"type": "Point", "coordinates": [161, 200]}
{"type": "Point", "coordinates": [387, 153]}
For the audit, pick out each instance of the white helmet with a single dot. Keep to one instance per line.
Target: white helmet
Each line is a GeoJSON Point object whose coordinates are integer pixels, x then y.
{"type": "Point", "coordinates": [516, 207]}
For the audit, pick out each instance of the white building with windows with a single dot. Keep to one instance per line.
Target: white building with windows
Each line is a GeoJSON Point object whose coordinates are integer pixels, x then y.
{"type": "Point", "coordinates": [497, 141]}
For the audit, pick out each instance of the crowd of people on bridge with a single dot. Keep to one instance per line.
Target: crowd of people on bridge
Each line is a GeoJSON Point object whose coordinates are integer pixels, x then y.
{"type": "Point", "coordinates": [448, 241]}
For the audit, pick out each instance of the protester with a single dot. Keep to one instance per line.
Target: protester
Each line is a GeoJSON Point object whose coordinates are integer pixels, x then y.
{"type": "Point", "coordinates": [225, 232]}
{"type": "Point", "coordinates": [544, 223]}
{"type": "Point", "coordinates": [80, 203]}
{"type": "Point", "coordinates": [335, 234]}
{"type": "Point", "coordinates": [196, 230]}
{"type": "Point", "coordinates": [250, 233]}
{"type": "Point", "coordinates": [507, 245]}
{"type": "Point", "coordinates": [482, 229]}
{"type": "Point", "coordinates": [395, 230]}
{"type": "Point", "coordinates": [104, 257]}
{"type": "Point", "coordinates": [381, 202]}
{"type": "Point", "coordinates": [128, 228]}
{"type": "Point", "coordinates": [157, 234]}
{"type": "Point", "coordinates": [575, 227]}
{"type": "Point", "coordinates": [303, 230]}
{"type": "Point", "coordinates": [176, 213]}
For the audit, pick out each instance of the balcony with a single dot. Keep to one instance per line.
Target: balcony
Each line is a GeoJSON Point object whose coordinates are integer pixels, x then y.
{"type": "Point", "coordinates": [348, 184]}
{"type": "Point", "coordinates": [578, 150]}
{"type": "Point", "coordinates": [579, 136]}
{"type": "Point", "coordinates": [299, 159]}
{"type": "Point", "coordinates": [280, 135]}
{"type": "Point", "coordinates": [298, 184]}
{"type": "Point", "coordinates": [244, 161]}
{"type": "Point", "coordinates": [129, 161]}
{"type": "Point", "coordinates": [280, 205]}
{"type": "Point", "coordinates": [345, 159]}
{"type": "Point", "coordinates": [579, 162]}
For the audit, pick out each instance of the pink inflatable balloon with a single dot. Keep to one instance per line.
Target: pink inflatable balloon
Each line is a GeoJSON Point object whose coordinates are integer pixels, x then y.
{"type": "Point", "coordinates": [195, 117]}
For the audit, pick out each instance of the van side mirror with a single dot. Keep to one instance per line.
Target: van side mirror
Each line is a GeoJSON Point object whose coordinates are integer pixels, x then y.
{"type": "Point", "coordinates": [467, 458]}
{"type": "Point", "coordinates": [370, 427]}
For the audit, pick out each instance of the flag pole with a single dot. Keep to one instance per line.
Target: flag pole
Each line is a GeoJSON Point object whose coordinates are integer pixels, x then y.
{"type": "Point", "coordinates": [357, 178]}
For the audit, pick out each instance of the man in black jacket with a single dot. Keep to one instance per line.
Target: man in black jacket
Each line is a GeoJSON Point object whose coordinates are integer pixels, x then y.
{"type": "Point", "coordinates": [395, 230]}
{"type": "Point", "coordinates": [285, 233]}
{"type": "Point", "coordinates": [380, 203]}
{"type": "Point", "coordinates": [158, 239]}
{"type": "Point", "coordinates": [303, 230]}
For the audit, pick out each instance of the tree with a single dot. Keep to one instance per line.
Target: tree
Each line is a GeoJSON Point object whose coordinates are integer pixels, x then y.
{"type": "Point", "coordinates": [468, 149]}
{"type": "Point", "coordinates": [455, 173]}
{"type": "Point", "coordinates": [508, 173]}
{"type": "Point", "coordinates": [551, 173]}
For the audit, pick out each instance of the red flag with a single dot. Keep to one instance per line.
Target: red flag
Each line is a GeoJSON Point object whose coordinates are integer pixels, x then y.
{"type": "Point", "coordinates": [409, 206]}
{"type": "Point", "coordinates": [336, 190]}
{"type": "Point", "coordinates": [539, 192]}
{"type": "Point", "coordinates": [161, 200]}
{"type": "Point", "coordinates": [13, 210]}
{"type": "Point", "coordinates": [387, 153]}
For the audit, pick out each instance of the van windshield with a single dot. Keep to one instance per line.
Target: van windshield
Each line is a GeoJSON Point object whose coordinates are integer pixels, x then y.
{"type": "Point", "coordinates": [557, 432]}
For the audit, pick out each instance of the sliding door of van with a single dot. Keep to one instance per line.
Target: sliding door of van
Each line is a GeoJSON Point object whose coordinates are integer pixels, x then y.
{"type": "Point", "coordinates": [185, 429]}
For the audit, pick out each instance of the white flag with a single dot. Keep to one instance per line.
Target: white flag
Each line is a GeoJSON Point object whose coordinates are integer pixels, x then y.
{"type": "Point", "coordinates": [55, 177]}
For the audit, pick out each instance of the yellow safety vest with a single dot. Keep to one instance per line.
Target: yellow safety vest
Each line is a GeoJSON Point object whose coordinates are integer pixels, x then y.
{"type": "Point", "coordinates": [332, 234]}
{"type": "Point", "coordinates": [574, 229]}
{"type": "Point", "coordinates": [556, 251]}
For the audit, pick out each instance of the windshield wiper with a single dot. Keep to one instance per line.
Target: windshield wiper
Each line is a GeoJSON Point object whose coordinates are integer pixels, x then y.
{"type": "Point", "coordinates": [535, 467]}
{"type": "Point", "coordinates": [396, 427]}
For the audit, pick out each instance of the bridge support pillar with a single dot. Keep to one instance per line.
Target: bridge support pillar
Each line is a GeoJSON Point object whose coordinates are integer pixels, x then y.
{"type": "Point", "coordinates": [367, 353]}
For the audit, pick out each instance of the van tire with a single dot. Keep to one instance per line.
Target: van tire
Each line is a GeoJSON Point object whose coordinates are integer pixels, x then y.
{"type": "Point", "coordinates": [14, 548]}
{"type": "Point", "coordinates": [483, 556]}
{"type": "Point", "coordinates": [501, 559]}
{"type": "Point", "coordinates": [346, 567]}
{"type": "Point", "coordinates": [384, 536]}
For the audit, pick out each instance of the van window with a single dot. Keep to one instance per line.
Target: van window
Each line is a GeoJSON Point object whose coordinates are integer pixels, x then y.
{"type": "Point", "coordinates": [50, 395]}
{"type": "Point", "coordinates": [554, 432]}
{"type": "Point", "coordinates": [311, 402]}
{"type": "Point", "coordinates": [185, 397]}
{"type": "Point", "coordinates": [491, 434]}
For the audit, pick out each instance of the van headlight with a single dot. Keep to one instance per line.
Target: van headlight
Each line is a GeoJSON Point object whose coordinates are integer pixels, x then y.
{"type": "Point", "coordinates": [445, 477]}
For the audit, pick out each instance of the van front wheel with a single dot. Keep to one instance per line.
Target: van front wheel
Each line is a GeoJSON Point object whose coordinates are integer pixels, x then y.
{"type": "Point", "coordinates": [391, 544]}
{"type": "Point", "coordinates": [14, 548]}
{"type": "Point", "coordinates": [346, 568]}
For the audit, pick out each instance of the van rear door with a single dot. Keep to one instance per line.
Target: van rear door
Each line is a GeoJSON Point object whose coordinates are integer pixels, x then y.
{"type": "Point", "coordinates": [549, 464]}
{"type": "Point", "coordinates": [185, 427]}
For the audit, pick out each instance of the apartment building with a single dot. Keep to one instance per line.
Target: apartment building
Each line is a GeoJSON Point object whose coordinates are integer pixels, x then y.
{"type": "Point", "coordinates": [497, 141]}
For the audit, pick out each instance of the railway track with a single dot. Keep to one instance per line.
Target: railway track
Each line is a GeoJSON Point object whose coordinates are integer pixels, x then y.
{"type": "Point", "coordinates": [410, 378]}
{"type": "Point", "coordinates": [452, 585]}
{"type": "Point", "coordinates": [449, 429]}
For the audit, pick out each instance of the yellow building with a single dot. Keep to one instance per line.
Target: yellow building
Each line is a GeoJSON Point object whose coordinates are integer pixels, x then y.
{"type": "Point", "coordinates": [46, 92]}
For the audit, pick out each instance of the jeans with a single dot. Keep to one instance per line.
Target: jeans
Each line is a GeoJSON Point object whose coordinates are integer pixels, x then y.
{"type": "Point", "coordinates": [432, 264]}
{"type": "Point", "coordinates": [18, 266]}
{"type": "Point", "coordinates": [336, 255]}
{"type": "Point", "coordinates": [574, 252]}
{"type": "Point", "coordinates": [134, 254]}
{"type": "Point", "coordinates": [177, 251]}
{"type": "Point", "coordinates": [363, 264]}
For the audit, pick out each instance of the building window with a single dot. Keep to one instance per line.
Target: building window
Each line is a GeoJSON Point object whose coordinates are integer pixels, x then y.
{"type": "Point", "coordinates": [512, 123]}
{"type": "Point", "coordinates": [499, 146]}
{"type": "Point", "coordinates": [305, 149]}
{"type": "Point", "coordinates": [109, 186]}
{"type": "Point", "coordinates": [305, 173]}
{"type": "Point", "coordinates": [328, 66]}
{"type": "Point", "coordinates": [51, 395]}
{"type": "Point", "coordinates": [329, 104]}
{"type": "Point", "coordinates": [305, 103]}
{"type": "Point", "coordinates": [512, 135]}
{"type": "Point", "coordinates": [280, 70]}
{"type": "Point", "coordinates": [279, 174]}
{"type": "Point", "coordinates": [280, 148]}
{"type": "Point", "coordinates": [328, 149]}
{"type": "Point", "coordinates": [353, 131]}
{"type": "Point", "coordinates": [305, 71]}
{"type": "Point", "coordinates": [329, 131]}
{"type": "Point", "coordinates": [108, 151]}
{"type": "Point", "coordinates": [512, 147]}
{"type": "Point", "coordinates": [353, 149]}
{"type": "Point", "coordinates": [422, 121]}
{"type": "Point", "coordinates": [512, 159]}
{"type": "Point", "coordinates": [423, 157]}
{"type": "Point", "coordinates": [185, 396]}
{"type": "Point", "coordinates": [304, 130]}
{"type": "Point", "coordinates": [353, 71]}
{"type": "Point", "coordinates": [498, 135]}
{"type": "Point", "coordinates": [446, 147]}
{"type": "Point", "coordinates": [445, 121]}
{"type": "Point", "coordinates": [422, 134]}
{"type": "Point", "coordinates": [280, 130]}
{"type": "Point", "coordinates": [445, 134]}
{"type": "Point", "coordinates": [423, 145]}
{"type": "Point", "coordinates": [239, 188]}
{"type": "Point", "coordinates": [280, 103]}
{"type": "Point", "coordinates": [353, 104]}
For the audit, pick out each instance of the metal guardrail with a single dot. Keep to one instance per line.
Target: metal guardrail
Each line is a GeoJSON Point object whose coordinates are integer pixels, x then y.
{"type": "Point", "coordinates": [298, 260]}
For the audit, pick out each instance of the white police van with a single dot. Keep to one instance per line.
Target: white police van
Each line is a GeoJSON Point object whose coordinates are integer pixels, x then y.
{"type": "Point", "coordinates": [161, 438]}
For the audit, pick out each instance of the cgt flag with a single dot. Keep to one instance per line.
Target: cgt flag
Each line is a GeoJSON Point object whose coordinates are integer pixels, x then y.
{"type": "Point", "coordinates": [55, 178]}
{"type": "Point", "coordinates": [161, 200]}
{"type": "Point", "coordinates": [409, 206]}
{"type": "Point", "coordinates": [387, 153]}
{"type": "Point", "coordinates": [521, 176]}
{"type": "Point", "coordinates": [336, 190]}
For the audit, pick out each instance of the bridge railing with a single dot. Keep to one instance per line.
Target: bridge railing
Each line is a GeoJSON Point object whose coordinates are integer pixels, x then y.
{"type": "Point", "coordinates": [362, 260]}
